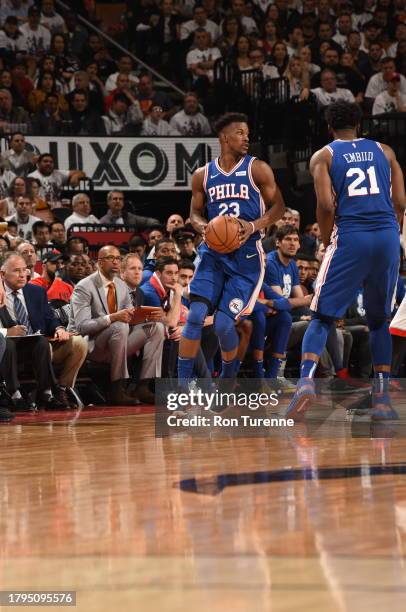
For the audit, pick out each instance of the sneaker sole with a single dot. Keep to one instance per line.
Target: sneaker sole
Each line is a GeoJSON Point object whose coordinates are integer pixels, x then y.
{"type": "Point", "coordinates": [297, 413]}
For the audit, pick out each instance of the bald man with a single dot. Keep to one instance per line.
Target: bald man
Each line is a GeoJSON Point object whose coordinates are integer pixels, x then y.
{"type": "Point", "coordinates": [102, 310]}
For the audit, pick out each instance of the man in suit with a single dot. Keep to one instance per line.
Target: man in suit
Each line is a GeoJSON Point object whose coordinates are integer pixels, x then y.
{"type": "Point", "coordinates": [102, 309]}
{"type": "Point", "coordinates": [5, 414]}
{"type": "Point", "coordinates": [27, 312]}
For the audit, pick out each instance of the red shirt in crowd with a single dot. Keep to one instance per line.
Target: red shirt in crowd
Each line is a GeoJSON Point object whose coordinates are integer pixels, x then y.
{"type": "Point", "coordinates": [58, 290]}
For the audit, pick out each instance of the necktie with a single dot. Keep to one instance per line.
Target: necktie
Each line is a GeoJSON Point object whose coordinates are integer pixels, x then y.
{"type": "Point", "coordinates": [111, 298]}
{"type": "Point", "coordinates": [21, 313]}
{"type": "Point", "coordinates": [133, 295]}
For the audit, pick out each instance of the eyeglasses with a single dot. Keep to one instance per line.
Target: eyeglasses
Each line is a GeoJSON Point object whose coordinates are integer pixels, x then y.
{"type": "Point", "coordinates": [112, 258]}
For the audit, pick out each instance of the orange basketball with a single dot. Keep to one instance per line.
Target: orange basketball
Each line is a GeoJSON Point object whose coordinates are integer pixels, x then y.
{"type": "Point", "coordinates": [222, 234]}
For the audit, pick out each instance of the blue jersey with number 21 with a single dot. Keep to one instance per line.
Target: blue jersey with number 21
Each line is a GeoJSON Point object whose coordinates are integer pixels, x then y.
{"type": "Point", "coordinates": [361, 177]}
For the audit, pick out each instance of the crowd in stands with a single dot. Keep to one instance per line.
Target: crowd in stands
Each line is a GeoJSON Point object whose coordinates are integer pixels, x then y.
{"type": "Point", "coordinates": [58, 78]}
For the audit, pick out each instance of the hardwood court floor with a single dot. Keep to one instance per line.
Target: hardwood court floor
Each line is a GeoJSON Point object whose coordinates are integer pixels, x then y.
{"type": "Point", "coordinates": [134, 522]}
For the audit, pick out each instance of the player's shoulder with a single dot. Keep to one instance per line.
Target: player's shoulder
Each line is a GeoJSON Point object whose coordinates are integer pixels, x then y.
{"type": "Point", "coordinates": [271, 257]}
{"type": "Point", "coordinates": [322, 156]}
{"type": "Point", "coordinates": [199, 177]}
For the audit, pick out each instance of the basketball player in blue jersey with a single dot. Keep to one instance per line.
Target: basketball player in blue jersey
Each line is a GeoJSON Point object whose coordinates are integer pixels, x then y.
{"type": "Point", "coordinates": [359, 185]}
{"type": "Point", "coordinates": [238, 185]}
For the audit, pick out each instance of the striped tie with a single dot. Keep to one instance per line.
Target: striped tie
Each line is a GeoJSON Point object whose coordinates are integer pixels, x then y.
{"type": "Point", "coordinates": [21, 313]}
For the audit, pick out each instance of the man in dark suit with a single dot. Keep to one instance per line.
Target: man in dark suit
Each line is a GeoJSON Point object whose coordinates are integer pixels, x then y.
{"type": "Point", "coordinates": [26, 312]}
{"type": "Point", "coordinates": [116, 214]}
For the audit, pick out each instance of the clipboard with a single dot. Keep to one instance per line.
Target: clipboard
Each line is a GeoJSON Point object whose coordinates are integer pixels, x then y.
{"type": "Point", "coordinates": [141, 313]}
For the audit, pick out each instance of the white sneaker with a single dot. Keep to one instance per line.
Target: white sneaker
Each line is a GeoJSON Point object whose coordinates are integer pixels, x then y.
{"type": "Point", "coordinates": [285, 384]}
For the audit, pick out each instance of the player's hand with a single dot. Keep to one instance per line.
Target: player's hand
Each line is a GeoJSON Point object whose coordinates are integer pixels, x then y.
{"type": "Point", "coordinates": [245, 231]}
{"type": "Point", "coordinates": [175, 333]}
{"type": "Point", "coordinates": [155, 315]}
{"type": "Point", "coordinates": [308, 299]}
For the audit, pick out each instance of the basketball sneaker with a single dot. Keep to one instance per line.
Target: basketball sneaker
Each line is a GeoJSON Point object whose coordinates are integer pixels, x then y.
{"type": "Point", "coordinates": [304, 394]}
{"type": "Point", "coordinates": [382, 409]}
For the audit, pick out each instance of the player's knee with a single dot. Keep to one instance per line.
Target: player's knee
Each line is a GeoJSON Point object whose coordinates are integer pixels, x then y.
{"type": "Point", "coordinates": [317, 316]}
{"type": "Point", "coordinates": [223, 324]}
{"type": "Point", "coordinates": [195, 320]}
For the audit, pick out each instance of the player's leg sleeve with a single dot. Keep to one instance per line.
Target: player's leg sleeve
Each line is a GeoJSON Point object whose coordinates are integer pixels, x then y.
{"type": "Point", "coordinates": [258, 320]}
{"type": "Point", "coordinates": [195, 320]}
{"type": "Point", "coordinates": [226, 332]}
{"type": "Point", "coordinates": [380, 339]}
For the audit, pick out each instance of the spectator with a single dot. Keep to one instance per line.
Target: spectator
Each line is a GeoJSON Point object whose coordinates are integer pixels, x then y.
{"type": "Point", "coordinates": [12, 118]}
{"type": "Point", "coordinates": [231, 29]}
{"type": "Point", "coordinates": [125, 66]}
{"type": "Point", "coordinates": [375, 56]}
{"type": "Point", "coordinates": [27, 311]}
{"type": "Point", "coordinates": [41, 237]}
{"type": "Point", "coordinates": [50, 18]}
{"type": "Point", "coordinates": [299, 79]}
{"type": "Point", "coordinates": [84, 120]}
{"type": "Point", "coordinates": [242, 54]}
{"type": "Point", "coordinates": [76, 245]}
{"type": "Point", "coordinates": [58, 235]}
{"type": "Point", "coordinates": [329, 92]}
{"type": "Point", "coordinates": [38, 38]}
{"type": "Point", "coordinates": [372, 32]}
{"type": "Point", "coordinates": [123, 87]}
{"type": "Point", "coordinates": [52, 180]}
{"type": "Point", "coordinates": [200, 61]}
{"type": "Point", "coordinates": [305, 55]}
{"type": "Point", "coordinates": [154, 125]}
{"type": "Point", "coordinates": [325, 35]}
{"type": "Point", "coordinates": [153, 237]}
{"type": "Point", "coordinates": [17, 158]}
{"type": "Point", "coordinates": [199, 21]}
{"type": "Point", "coordinates": [6, 179]}
{"type": "Point", "coordinates": [116, 214]}
{"type": "Point", "coordinates": [51, 120]}
{"type": "Point", "coordinates": [280, 57]}
{"type": "Point", "coordinates": [190, 121]}
{"type": "Point", "coordinates": [124, 117]}
{"type": "Point", "coordinates": [106, 322]}
{"type": "Point", "coordinates": [257, 60]}
{"type": "Point", "coordinates": [16, 8]}
{"type": "Point", "coordinates": [148, 97]}
{"type": "Point", "coordinates": [353, 46]}
{"type": "Point", "coordinates": [75, 270]}
{"type": "Point", "coordinates": [81, 212]}
{"type": "Point", "coordinates": [23, 217]}
{"type": "Point", "coordinates": [12, 40]}
{"type": "Point", "coordinates": [344, 27]}
{"type": "Point", "coordinates": [65, 64]}
{"type": "Point", "coordinates": [162, 248]}
{"type": "Point", "coordinates": [76, 34]}
{"type": "Point", "coordinates": [379, 82]}
{"type": "Point", "coordinates": [400, 36]}
{"type": "Point", "coordinates": [81, 82]}
{"type": "Point", "coordinates": [391, 100]}
{"type": "Point", "coordinates": [296, 41]}
{"type": "Point", "coordinates": [46, 85]}
{"type": "Point", "coordinates": [174, 222]}
{"type": "Point", "coordinates": [138, 245]}
{"type": "Point", "coordinates": [248, 24]}
{"type": "Point", "coordinates": [55, 287]}
{"type": "Point", "coordinates": [186, 246]}
{"type": "Point", "coordinates": [27, 251]}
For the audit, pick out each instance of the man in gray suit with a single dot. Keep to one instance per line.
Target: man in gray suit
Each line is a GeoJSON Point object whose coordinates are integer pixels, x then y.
{"type": "Point", "coordinates": [102, 309]}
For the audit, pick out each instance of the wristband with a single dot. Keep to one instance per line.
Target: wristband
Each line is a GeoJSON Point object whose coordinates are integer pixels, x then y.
{"type": "Point", "coordinates": [253, 226]}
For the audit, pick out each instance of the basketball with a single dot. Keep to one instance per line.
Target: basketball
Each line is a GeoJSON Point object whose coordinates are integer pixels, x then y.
{"type": "Point", "coordinates": [222, 234]}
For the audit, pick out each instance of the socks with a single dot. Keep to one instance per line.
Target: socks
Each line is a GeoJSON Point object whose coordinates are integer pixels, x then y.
{"type": "Point", "coordinates": [258, 369]}
{"type": "Point", "coordinates": [307, 368]}
{"type": "Point", "coordinates": [185, 370]}
{"type": "Point", "coordinates": [273, 367]}
{"type": "Point", "coordinates": [228, 369]}
{"type": "Point", "coordinates": [381, 382]}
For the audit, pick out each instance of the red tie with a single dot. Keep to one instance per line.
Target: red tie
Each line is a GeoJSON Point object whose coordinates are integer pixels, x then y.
{"type": "Point", "coordinates": [111, 298]}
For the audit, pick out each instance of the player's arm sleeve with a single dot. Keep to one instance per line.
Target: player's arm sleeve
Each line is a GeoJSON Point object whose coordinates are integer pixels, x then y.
{"type": "Point", "coordinates": [279, 302]}
{"type": "Point", "coordinates": [271, 274]}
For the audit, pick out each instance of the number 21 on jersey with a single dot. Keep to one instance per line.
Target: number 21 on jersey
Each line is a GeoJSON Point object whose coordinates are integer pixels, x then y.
{"type": "Point", "coordinates": [355, 189]}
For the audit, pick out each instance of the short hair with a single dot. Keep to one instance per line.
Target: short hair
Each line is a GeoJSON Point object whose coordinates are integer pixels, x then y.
{"type": "Point", "coordinates": [286, 230]}
{"type": "Point", "coordinates": [303, 257]}
{"type": "Point", "coordinates": [110, 194]}
{"type": "Point", "coordinates": [80, 92]}
{"type": "Point", "coordinates": [43, 155]}
{"type": "Point", "coordinates": [51, 225]}
{"type": "Point", "coordinates": [78, 195]}
{"type": "Point", "coordinates": [165, 261]}
{"type": "Point", "coordinates": [120, 97]}
{"type": "Point", "coordinates": [343, 115]}
{"type": "Point", "coordinates": [6, 256]}
{"type": "Point", "coordinates": [16, 134]}
{"type": "Point", "coordinates": [387, 59]}
{"type": "Point", "coordinates": [229, 118]}
{"type": "Point", "coordinates": [126, 259]}
{"type": "Point", "coordinates": [186, 264]}
{"type": "Point", "coordinates": [39, 225]}
{"type": "Point", "coordinates": [6, 240]}
{"type": "Point", "coordinates": [137, 241]}
{"type": "Point", "coordinates": [159, 243]}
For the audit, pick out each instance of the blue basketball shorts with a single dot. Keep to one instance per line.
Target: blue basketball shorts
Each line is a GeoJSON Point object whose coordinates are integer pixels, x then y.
{"type": "Point", "coordinates": [354, 260]}
{"type": "Point", "coordinates": [230, 283]}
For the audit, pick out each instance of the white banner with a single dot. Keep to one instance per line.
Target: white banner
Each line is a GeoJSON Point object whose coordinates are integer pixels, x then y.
{"type": "Point", "coordinates": [158, 164]}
